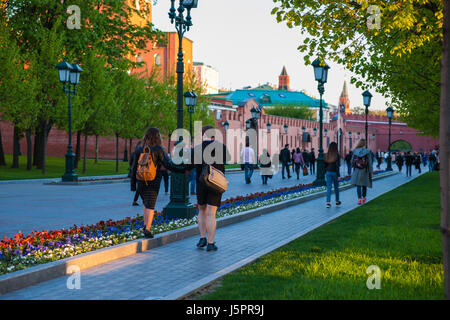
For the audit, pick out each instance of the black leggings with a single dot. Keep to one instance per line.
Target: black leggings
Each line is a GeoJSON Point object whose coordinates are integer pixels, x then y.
{"type": "Point", "coordinates": [165, 175]}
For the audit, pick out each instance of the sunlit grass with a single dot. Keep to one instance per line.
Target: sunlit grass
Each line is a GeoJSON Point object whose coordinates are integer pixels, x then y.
{"type": "Point", "coordinates": [398, 232]}
{"type": "Point", "coordinates": [56, 167]}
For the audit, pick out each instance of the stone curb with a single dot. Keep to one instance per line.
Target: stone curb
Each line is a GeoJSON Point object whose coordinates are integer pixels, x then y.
{"type": "Point", "coordinates": [45, 272]}
{"type": "Point", "coordinates": [81, 181]}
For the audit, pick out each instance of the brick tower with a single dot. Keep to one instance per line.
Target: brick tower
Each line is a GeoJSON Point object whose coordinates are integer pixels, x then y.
{"type": "Point", "coordinates": [283, 80]}
{"type": "Point", "coordinates": [344, 100]}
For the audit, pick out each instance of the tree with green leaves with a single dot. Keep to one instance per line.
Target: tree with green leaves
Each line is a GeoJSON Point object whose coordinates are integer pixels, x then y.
{"type": "Point", "coordinates": [399, 48]}
{"type": "Point", "coordinates": [92, 104]}
{"type": "Point", "coordinates": [129, 113]}
{"type": "Point", "coordinates": [17, 85]}
{"type": "Point", "coordinates": [390, 46]}
{"type": "Point", "coordinates": [106, 30]}
{"type": "Point", "coordinates": [290, 111]}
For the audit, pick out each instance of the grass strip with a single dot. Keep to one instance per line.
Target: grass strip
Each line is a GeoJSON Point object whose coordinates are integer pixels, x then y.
{"type": "Point", "coordinates": [398, 232]}
{"type": "Point", "coordinates": [57, 166]}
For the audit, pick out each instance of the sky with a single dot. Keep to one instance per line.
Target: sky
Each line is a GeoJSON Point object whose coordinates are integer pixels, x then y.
{"type": "Point", "coordinates": [244, 42]}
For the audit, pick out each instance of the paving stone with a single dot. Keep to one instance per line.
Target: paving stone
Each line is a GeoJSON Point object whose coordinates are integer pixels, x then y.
{"type": "Point", "coordinates": [164, 272]}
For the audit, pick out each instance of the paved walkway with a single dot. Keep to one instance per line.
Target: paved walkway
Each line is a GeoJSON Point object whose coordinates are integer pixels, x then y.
{"type": "Point", "coordinates": [172, 270]}
{"type": "Point", "coordinates": [29, 206]}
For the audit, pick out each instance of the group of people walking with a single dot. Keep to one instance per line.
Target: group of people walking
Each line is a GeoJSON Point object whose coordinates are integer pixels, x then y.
{"type": "Point", "coordinates": [416, 159]}
{"type": "Point", "coordinates": [297, 160]}
{"type": "Point", "coordinates": [359, 162]}
{"type": "Point", "coordinates": [294, 160]}
{"type": "Point", "coordinates": [152, 153]}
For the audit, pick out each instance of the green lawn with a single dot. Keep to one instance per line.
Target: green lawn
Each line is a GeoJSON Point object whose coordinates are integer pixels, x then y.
{"type": "Point", "coordinates": [398, 232]}
{"type": "Point", "coordinates": [232, 166]}
{"type": "Point", "coordinates": [56, 168]}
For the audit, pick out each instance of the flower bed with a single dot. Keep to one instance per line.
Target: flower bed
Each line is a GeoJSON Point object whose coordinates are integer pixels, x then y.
{"type": "Point", "coordinates": [21, 251]}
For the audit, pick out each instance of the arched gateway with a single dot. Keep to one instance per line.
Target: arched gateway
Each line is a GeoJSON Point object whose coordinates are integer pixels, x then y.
{"type": "Point", "coordinates": [401, 145]}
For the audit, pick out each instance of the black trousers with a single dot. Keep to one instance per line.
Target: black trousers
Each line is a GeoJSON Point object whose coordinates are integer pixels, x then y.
{"type": "Point", "coordinates": [297, 169]}
{"type": "Point", "coordinates": [136, 196]}
{"type": "Point", "coordinates": [285, 165]}
{"type": "Point", "coordinates": [312, 166]}
{"type": "Point", "coordinates": [165, 177]}
{"type": "Point", "coordinates": [408, 170]}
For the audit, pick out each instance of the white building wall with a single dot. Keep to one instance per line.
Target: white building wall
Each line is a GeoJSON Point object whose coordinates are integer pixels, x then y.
{"type": "Point", "coordinates": [208, 77]}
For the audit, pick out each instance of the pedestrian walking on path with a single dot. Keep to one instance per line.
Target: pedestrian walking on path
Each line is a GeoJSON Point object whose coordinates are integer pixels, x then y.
{"type": "Point", "coordinates": [165, 176]}
{"type": "Point", "coordinates": [362, 170]}
{"type": "Point", "coordinates": [248, 159]}
{"type": "Point", "coordinates": [379, 157]}
{"type": "Point", "coordinates": [148, 157]}
{"type": "Point", "coordinates": [297, 158]}
{"type": "Point", "coordinates": [266, 166]}
{"type": "Point", "coordinates": [305, 155]}
{"type": "Point", "coordinates": [136, 193]}
{"type": "Point", "coordinates": [285, 157]}
{"type": "Point", "coordinates": [348, 161]}
{"type": "Point", "coordinates": [312, 161]}
{"type": "Point", "coordinates": [332, 165]}
{"type": "Point", "coordinates": [431, 161]}
{"type": "Point", "coordinates": [399, 159]}
{"type": "Point", "coordinates": [209, 200]}
{"type": "Point", "coordinates": [417, 162]}
{"type": "Point", "coordinates": [409, 160]}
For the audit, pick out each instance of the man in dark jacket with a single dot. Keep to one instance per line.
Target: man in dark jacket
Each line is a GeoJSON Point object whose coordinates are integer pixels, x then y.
{"type": "Point", "coordinates": [312, 161]}
{"type": "Point", "coordinates": [348, 161]}
{"type": "Point", "coordinates": [305, 155]}
{"type": "Point", "coordinates": [285, 157]}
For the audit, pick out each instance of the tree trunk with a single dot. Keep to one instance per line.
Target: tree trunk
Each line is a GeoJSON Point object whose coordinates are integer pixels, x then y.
{"type": "Point", "coordinates": [96, 148]}
{"type": "Point", "coordinates": [77, 149]}
{"type": "Point", "coordinates": [84, 152]}
{"type": "Point", "coordinates": [131, 145]}
{"type": "Point", "coordinates": [125, 152]}
{"type": "Point", "coordinates": [39, 144]}
{"type": "Point", "coordinates": [16, 146]}
{"type": "Point", "coordinates": [44, 150]}
{"type": "Point", "coordinates": [35, 147]}
{"type": "Point", "coordinates": [2, 154]}
{"type": "Point", "coordinates": [46, 131]}
{"type": "Point", "coordinates": [117, 153]}
{"type": "Point", "coordinates": [29, 149]}
{"type": "Point", "coordinates": [444, 153]}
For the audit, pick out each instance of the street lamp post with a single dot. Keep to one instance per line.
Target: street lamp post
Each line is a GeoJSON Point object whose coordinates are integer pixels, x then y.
{"type": "Point", "coordinates": [69, 75]}
{"type": "Point", "coordinates": [286, 128]}
{"type": "Point", "coordinates": [367, 97]}
{"type": "Point", "coordinates": [179, 205]}
{"type": "Point", "coordinates": [256, 114]}
{"type": "Point", "coordinates": [321, 76]}
{"type": "Point", "coordinates": [190, 98]}
{"type": "Point", "coordinates": [390, 114]}
{"type": "Point", "coordinates": [226, 125]}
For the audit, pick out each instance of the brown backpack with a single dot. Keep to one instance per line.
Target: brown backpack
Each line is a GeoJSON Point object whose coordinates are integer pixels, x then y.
{"type": "Point", "coordinates": [146, 168]}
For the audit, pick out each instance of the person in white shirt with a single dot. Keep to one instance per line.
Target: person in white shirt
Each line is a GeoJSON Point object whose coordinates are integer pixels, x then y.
{"type": "Point", "coordinates": [248, 159]}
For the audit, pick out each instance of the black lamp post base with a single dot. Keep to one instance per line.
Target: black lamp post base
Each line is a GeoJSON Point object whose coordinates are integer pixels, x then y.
{"type": "Point", "coordinates": [70, 175]}
{"type": "Point", "coordinates": [319, 182]}
{"type": "Point", "coordinates": [180, 210]}
{"type": "Point", "coordinates": [179, 205]}
{"type": "Point", "coordinates": [389, 164]}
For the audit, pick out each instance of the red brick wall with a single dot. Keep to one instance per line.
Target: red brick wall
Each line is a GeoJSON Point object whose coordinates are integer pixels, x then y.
{"type": "Point", "coordinates": [58, 140]}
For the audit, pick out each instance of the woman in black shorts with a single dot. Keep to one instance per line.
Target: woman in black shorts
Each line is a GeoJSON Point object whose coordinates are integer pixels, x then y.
{"type": "Point", "coordinates": [208, 201]}
{"type": "Point", "coordinates": [149, 191]}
